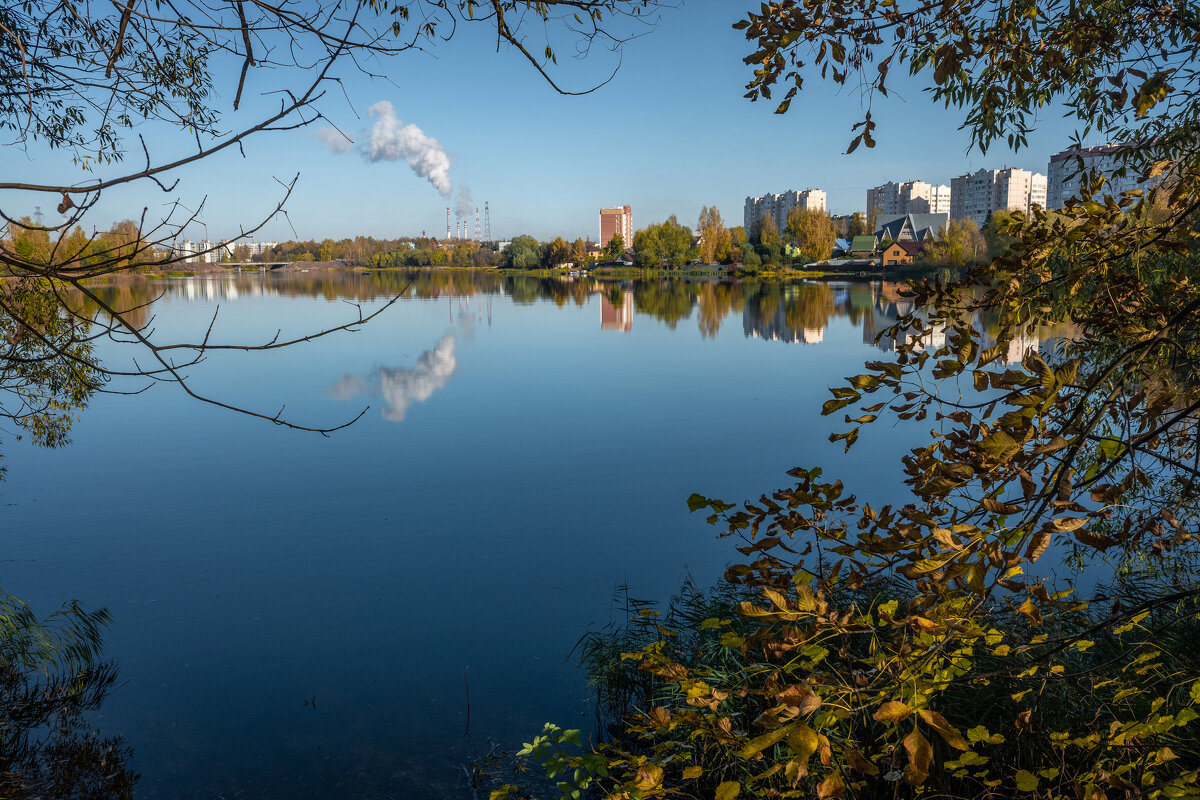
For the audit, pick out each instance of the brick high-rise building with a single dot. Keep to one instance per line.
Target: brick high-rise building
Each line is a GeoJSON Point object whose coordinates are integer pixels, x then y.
{"type": "Point", "coordinates": [616, 221]}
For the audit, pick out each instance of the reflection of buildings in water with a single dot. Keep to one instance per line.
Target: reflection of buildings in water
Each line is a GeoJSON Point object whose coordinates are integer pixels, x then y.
{"type": "Point", "coordinates": [1024, 340]}
{"type": "Point", "coordinates": [774, 326]}
{"type": "Point", "coordinates": [617, 318]}
{"type": "Point", "coordinates": [877, 320]}
{"type": "Point", "coordinates": [887, 307]}
{"type": "Point", "coordinates": [217, 287]}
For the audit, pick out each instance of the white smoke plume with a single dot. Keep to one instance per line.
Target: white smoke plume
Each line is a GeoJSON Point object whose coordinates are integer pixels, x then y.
{"type": "Point", "coordinates": [391, 140]}
{"type": "Point", "coordinates": [335, 140]}
{"type": "Point", "coordinates": [464, 206]}
{"type": "Point", "coordinates": [402, 386]}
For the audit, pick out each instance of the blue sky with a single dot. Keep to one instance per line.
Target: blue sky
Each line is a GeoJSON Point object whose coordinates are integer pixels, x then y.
{"type": "Point", "coordinates": [670, 133]}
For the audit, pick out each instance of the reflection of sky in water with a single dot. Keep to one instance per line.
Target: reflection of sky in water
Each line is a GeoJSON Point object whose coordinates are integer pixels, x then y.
{"type": "Point", "coordinates": [402, 386]}
{"type": "Point", "coordinates": [266, 568]}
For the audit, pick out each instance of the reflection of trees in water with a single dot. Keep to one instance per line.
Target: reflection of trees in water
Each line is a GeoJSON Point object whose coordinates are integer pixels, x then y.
{"type": "Point", "coordinates": [50, 678]}
{"type": "Point", "coordinates": [47, 371]}
{"type": "Point", "coordinates": [775, 309]}
{"type": "Point", "coordinates": [132, 300]}
{"type": "Point", "coordinates": [810, 307]}
{"type": "Point", "coordinates": [713, 302]}
{"type": "Point", "coordinates": [668, 300]}
{"type": "Point", "coordinates": [792, 312]}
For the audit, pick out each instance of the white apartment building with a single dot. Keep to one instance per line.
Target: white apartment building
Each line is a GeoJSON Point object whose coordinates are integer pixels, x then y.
{"type": "Point", "coordinates": [208, 252]}
{"type": "Point", "coordinates": [1065, 180]}
{"type": "Point", "coordinates": [185, 250]}
{"type": "Point", "coordinates": [978, 195]}
{"type": "Point", "coordinates": [253, 248]}
{"type": "Point", "coordinates": [910, 197]}
{"type": "Point", "coordinates": [777, 207]}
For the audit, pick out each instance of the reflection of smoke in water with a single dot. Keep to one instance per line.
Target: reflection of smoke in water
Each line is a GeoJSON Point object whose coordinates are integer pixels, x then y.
{"type": "Point", "coordinates": [348, 386]}
{"type": "Point", "coordinates": [402, 386]}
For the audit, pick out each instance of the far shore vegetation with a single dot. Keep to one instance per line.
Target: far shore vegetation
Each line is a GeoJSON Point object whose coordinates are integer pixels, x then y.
{"type": "Point", "coordinates": [807, 245]}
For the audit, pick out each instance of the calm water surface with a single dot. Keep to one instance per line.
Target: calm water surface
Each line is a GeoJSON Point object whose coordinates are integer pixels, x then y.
{"type": "Point", "coordinates": [299, 616]}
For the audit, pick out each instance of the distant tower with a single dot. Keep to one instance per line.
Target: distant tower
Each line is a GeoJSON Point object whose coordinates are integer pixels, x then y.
{"type": "Point", "coordinates": [38, 216]}
{"type": "Point", "coordinates": [616, 221]}
{"type": "Point", "coordinates": [487, 223]}
{"type": "Point", "coordinates": [478, 235]}
{"type": "Point", "coordinates": [447, 222]}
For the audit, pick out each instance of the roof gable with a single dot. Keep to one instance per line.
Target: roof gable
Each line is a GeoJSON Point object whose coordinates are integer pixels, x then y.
{"type": "Point", "coordinates": [918, 227]}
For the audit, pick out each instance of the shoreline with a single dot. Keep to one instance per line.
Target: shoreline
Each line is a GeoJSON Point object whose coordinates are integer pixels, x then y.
{"type": "Point", "coordinates": [610, 273]}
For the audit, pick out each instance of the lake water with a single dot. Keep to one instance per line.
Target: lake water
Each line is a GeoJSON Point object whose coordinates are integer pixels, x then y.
{"type": "Point", "coordinates": [298, 616]}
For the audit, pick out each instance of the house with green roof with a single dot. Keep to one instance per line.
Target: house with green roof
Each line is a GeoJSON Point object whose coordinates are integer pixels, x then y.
{"type": "Point", "coordinates": [865, 244]}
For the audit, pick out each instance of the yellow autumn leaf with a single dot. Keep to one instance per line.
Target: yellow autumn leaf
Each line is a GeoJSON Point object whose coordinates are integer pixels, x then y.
{"type": "Point", "coordinates": [649, 776]}
{"type": "Point", "coordinates": [944, 729]}
{"type": "Point", "coordinates": [803, 742]}
{"type": "Point", "coordinates": [760, 743]}
{"type": "Point", "coordinates": [892, 711]}
{"type": "Point", "coordinates": [832, 786]}
{"type": "Point", "coordinates": [728, 790]}
{"type": "Point", "coordinates": [920, 755]}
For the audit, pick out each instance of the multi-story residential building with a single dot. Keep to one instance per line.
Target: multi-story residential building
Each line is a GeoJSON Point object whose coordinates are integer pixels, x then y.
{"type": "Point", "coordinates": [185, 250]}
{"type": "Point", "coordinates": [910, 197]}
{"type": "Point", "coordinates": [1065, 176]}
{"type": "Point", "coordinates": [209, 252]}
{"type": "Point", "coordinates": [255, 248]}
{"type": "Point", "coordinates": [616, 221]}
{"type": "Point", "coordinates": [978, 195]}
{"type": "Point", "coordinates": [777, 207]}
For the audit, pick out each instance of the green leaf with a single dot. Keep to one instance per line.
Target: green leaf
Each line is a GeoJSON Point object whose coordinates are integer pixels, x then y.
{"type": "Point", "coordinates": [864, 381]}
{"type": "Point", "coordinates": [1026, 781]}
{"type": "Point", "coordinates": [999, 445]}
{"type": "Point", "coordinates": [833, 405]}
